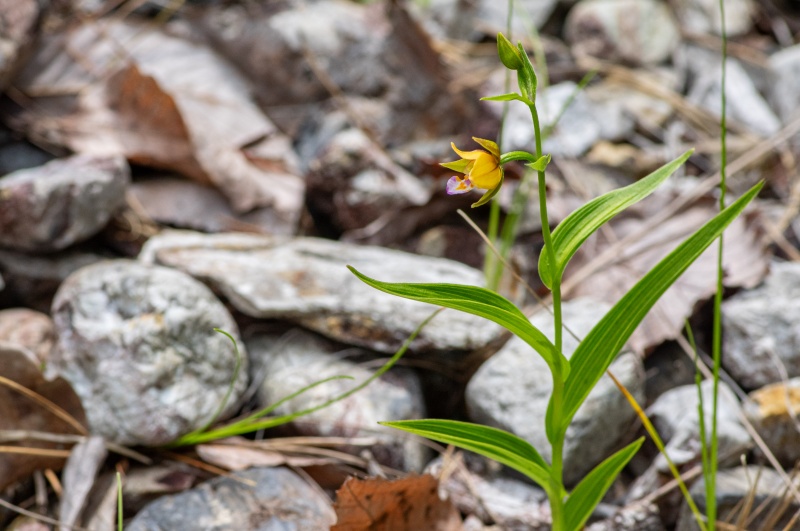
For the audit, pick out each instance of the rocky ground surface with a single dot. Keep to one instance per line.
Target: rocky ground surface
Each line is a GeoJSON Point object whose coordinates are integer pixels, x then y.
{"type": "Point", "coordinates": [171, 168]}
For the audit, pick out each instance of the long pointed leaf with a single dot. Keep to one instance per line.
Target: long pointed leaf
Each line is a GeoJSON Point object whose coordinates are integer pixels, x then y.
{"type": "Point", "coordinates": [599, 348]}
{"type": "Point", "coordinates": [580, 224]}
{"type": "Point", "coordinates": [493, 443]}
{"type": "Point", "coordinates": [593, 487]}
{"type": "Point", "coordinates": [481, 302]}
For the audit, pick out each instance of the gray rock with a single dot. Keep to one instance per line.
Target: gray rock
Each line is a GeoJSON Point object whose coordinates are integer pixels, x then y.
{"type": "Point", "coordinates": [582, 124]}
{"type": "Point", "coordinates": [28, 329]}
{"type": "Point", "coordinates": [733, 489]}
{"type": "Point", "coordinates": [279, 500]}
{"type": "Point", "coordinates": [773, 411]}
{"type": "Point", "coordinates": [32, 280]}
{"type": "Point", "coordinates": [137, 344]}
{"type": "Point", "coordinates": [298, 359]}
{"type": "Point", "coordinates": [65, 201]}
{"type": "Point", "coordinates": [459, 20]}
{"type": "Point", "coordinates": [634, 517]}
{"type": "Point", "coordinates": [745, 104]}
{"type": "Point", "coordinates": [376, 54]}
{"type": "Point", "coordinates": [674, 415]}
{"type": "Point", "coordinates": [703, 16]}
{"type": "Point", "coordinates": [19, 20]}
{"type": "Point", "coordinates": [510, 504]}
{"type": "Point", "coordinates": [761, 330]}
{"type": "Point", "coordinates": [305, 280]}
{"type": "Point", "coordinates": [191, 205]}
{"type": "Point", "coordinates": [639, 32]}
{"type": "Point", "coordinates": [16, 154]}
{"type": "Point", "coordinates": [511, 391]}
{"type": "Point", "coordinates": [785, 68]}
{"type": "Point", "coordinates": [352, 182]}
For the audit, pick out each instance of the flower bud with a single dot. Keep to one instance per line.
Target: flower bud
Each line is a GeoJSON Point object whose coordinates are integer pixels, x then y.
{"type": "Point", "coordinates": [508, 54]}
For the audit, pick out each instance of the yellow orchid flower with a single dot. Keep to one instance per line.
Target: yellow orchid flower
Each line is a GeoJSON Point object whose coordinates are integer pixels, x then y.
{"type": "Point", "coordinates": [481, 168]}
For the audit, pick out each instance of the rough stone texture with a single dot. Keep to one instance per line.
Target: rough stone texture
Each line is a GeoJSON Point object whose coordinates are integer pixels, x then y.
{"type": "Point", "coordinates": [511, 391]}
{"type": "Point", "coordinates": [280, 500]}
{"type": "Point", "coordinates": [638, 32]}
{"type": "Point", "coordinates": [65, 201]}
{"type": "Point", "coordinates": [137, 344]}
{"type": "Point", "coordinates": [376, 54]}
{"type": "Point", "coordinates": [32, 280]}
{"type": "Point", "coordinates": [674, 414]}
{"type": "Point", "coordinates": [581, 125]}
{"type": "Point", "coordinates": [18, 21]}
{"type": "Point", "coordinates": [305, 280]}
{"type": "Point", "coordinates": [632, 518]}
{"type": "Point", "coordinates": [773, 410]}
{"type": "Point", "coordinates": [352, 182]}
{"type": "Point", "coordinates": [475, 20]}
{"type": "Point", "coordinates": [299, 358]}
{"type": "Point", "coordinates": [17, 154]}
{"type": "Point", "coordinates": [745, 105]}
{"type": "Point", "coordinates": [762, 329]}
{"type": "Point", "coordinates": [28, 329]}
{"type": "Point", "coordinates": [703, 16]}
{"type": "Point", "coordinates": [733, 487]}
{"type": "Point", "coordinates": [785, 69]}
{"type": "Point", "coordinates": [510, 504]}
{"type": "Point", "coordinates": [191, 205]}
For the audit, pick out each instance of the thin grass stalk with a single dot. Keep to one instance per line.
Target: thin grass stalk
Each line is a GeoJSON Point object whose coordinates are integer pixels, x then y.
{"type": "Point", "coordinates": [651, 430]}
{"type": "Point", "coordinates": [711, 482]}
{"type": "Point", "coordinates": [492, 269]}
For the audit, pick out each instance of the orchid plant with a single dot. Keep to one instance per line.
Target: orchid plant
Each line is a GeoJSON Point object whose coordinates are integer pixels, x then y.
{"type": "Point", "coordinates": [573, 378]}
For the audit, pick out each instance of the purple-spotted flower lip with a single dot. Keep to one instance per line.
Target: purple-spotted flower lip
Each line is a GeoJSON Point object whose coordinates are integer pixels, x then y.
{"type": "Point", "coordinates": [481, 168]}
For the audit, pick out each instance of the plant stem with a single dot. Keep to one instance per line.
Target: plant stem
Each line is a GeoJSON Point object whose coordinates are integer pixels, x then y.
{"type": "Point", "coordinates": [492, 268]}
{"type": "Point", "coordinates": [716, 347]}
{"type": "Point", "coordinates": [557, 460]}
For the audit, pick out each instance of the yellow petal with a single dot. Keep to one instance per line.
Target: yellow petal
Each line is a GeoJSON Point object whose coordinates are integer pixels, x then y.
{"type": "Point", "coordinates": [469, 155]}
{"type": "Point", "coordinates": [486, 174]}
{"type": "Point", "coordinates": [489, 146]}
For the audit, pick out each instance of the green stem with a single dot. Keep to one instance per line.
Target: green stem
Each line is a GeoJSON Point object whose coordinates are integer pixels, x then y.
{"type": "Point", "coordinates": [492, 269]}
{"type": "Point", "coordinates": [716, 347]}
{"type": "Point", "coordinates": [557, 460]}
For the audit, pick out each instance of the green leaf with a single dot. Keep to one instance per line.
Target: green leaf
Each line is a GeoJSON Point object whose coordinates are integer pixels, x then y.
{"type": "Point", "coordinates": [580, 224]}
{"type": "Point", "coordinates": [540, 164]}
{"type": "Point", "coordinates": [512, 96]}
{"type": "Point", "coordinates": [493, 443]}
{"type": "Point", "coordinates": [593, 487]}
{"type": "Point", "coordinates": [485, 198]}
{"type": "Point", "coordinates": [481, 302]}
{"type": "Point", "coordinates": [526, 76]}
{"type": "Point", "coordinates": [599, 348]}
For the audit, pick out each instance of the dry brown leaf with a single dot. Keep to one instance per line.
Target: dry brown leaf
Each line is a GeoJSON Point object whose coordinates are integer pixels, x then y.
{"type": "Point", "coordinates": [745, 259]}
{"type": "Point", "coordinates": [18, 412]}
{"type": "Point", "coordinates": [125, 88]}
{"type": "Point", "coordinates": [241, 457]}
{"type": "Point", "coordinates": [408, 503]}
{"type": "Point", "coordinates": [79, 478]}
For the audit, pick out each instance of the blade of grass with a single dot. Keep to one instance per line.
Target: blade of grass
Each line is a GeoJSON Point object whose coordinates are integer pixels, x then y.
{"type": "Point", "coordinates": [583, 222]}
{"type": "Point", "coordinates": [599, 348]}
{"type": "Point", "coordinates": [493, 443]}
{"type": "Point", "coordinates": [251, 424]}
{"type": "Point", "coordinates": [651, 430]}
{"type": "Point", "coordinates": [593, 487]}
{"type": "Point", "coordinates": [477, 301]}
